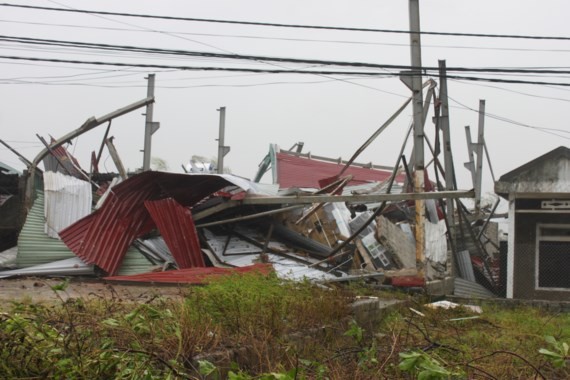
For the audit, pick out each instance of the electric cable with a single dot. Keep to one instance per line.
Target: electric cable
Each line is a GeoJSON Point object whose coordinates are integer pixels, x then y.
{"type": "Point", "coordinates": [281, 25]}
{"type": "Point", "coordinates": [425, 69]}
{"type": "Point", "coordinates": [290, 39]}
{"type": "Point", "coordinates": [273, 71]}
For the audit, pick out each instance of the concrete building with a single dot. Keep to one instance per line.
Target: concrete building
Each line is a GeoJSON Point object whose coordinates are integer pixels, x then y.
{"type": "Point", "coordinates": [538, 263]}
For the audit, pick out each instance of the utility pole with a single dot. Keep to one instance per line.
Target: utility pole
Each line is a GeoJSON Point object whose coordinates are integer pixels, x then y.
{"type": "Point", "coordinates": [480, 145]}
{"type": "Point", "coordinates": [222, 149]}
{"type": "Point", "coordinates": [447, 156]}
{"type": "Point", "coordinates": [150, 127]}
{"type": "Point", "coordinates": [478, 148]}
{"type": "Point", "coordinates": [417, 103]}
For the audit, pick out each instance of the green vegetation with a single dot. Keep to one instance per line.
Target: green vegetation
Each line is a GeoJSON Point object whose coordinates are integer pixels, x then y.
{"type": "Point", "coordinates": [259, 327]}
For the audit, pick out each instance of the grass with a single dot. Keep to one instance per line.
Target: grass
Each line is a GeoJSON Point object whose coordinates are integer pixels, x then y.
{"type": "Point", "coordinates": [259, 327]}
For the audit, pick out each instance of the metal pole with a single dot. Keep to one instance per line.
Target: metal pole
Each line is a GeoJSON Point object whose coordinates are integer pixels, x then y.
{"type": "Point", "coordinates": [88, 125]}
{"type": "Point", "coordinates": [480, 143]}
{"type": "Point", "coordinates": [222, 149]}
{"type": "Point", "coordinates": [148, 127]}
{"type": "Point", "coordinates": [446, 133]}
{"type": "Point", "coordinates": [416, 57]}
{"type": "Point", "coordinates": [470, 165]}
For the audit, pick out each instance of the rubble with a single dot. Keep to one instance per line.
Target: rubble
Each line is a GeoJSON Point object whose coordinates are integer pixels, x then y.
{"type": "Point", "coordinates": [321, 219]}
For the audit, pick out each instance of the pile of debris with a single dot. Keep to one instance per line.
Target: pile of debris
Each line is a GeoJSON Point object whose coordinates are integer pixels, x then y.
{"type": "Point", "coordinates": [158, 226]}
{"type": "Point", "coordinates": [321, 219]}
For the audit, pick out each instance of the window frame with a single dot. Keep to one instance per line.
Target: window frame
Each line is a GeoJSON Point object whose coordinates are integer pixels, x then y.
{"type": "Point", "coordinates": [540, 238]}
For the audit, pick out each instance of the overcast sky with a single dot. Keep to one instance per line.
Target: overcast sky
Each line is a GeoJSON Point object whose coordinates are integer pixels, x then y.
{"type": "Point", "coordinates": [332, 115]}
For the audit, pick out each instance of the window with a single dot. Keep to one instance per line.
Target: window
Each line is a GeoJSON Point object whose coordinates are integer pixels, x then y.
{"type": "Point", "coordinates": [553, 257]}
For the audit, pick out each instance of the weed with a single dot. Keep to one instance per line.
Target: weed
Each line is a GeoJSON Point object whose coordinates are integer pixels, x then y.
{"type": "Point", "coordinates": [559, 356]}
{"type": "Point", "coordinates": [261, 327]}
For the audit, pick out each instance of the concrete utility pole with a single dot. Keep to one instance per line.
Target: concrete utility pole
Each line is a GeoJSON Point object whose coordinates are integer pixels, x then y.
{"type": "Point", "coordinates": [417, 103]}
{"type": "Point", "coordinates": [150, 126]}
{"type": "Point", "coordinates": [447, 157]}
{"type": "Point", "coordinates": [477, 148]}
{"type": "Point", "coordinates": [222, 149]}
{"type": "Point", "coordinates": [480, 145]}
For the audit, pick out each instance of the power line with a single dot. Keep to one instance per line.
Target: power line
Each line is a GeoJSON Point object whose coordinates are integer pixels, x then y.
{"type": "Point", "coordinates": [130, 48]}
{"type": "Point", "coordinates": [514, 91]}
{"type": "Point", "coordinates": [195, 68]}
{"type": "Point", "coordinates": [227, 51]}
{"type": "Point", "coordinates": [274, 71]}
{"type": "Point", "coordinates": [551, 131]}
{"type": "Point", "coordinates": [290, 39]}
{"type": "Point", "coordinates": [143, 28]}
{"type": "Point", "coordinates": [297, 26]}
{"type": "Point", "coordinates": [14, 81]}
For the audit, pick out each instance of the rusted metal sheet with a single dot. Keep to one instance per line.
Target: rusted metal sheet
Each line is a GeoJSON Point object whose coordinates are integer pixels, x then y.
{"type": "Point", "coordinates": [177, 227]}
{"type": "Point", "coordinates": [103, 237]}
{"type": "Point", "coordinates": [298, 171]}
{"type": "Point", "coordinates": [192, 275]}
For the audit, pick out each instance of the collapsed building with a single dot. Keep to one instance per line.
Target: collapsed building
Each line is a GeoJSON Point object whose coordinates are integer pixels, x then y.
{"type": "Point", "coordinates": [319, 218]}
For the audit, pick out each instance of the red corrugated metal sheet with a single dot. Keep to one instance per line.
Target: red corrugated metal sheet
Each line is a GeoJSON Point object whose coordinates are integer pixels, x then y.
{"type": "Point", "coordinates": [177, 227]}
{"type": "Point", "coordinates": [103, 237]}
{"type": "Point", "coordinates": [295, 171]}
{"type": "Point", "coordinates": [192, 275]}
{"type": "Point", "coordinates": [61, 156]}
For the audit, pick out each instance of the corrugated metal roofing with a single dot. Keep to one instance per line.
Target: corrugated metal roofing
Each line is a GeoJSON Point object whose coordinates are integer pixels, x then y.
{"type": "Point", "coordinates": [177, 227]}
{"type": "Point", "coordinates": [60, 156]}
{"type": "Point", "coordinates": [66, 267]}
{"type": "Point", "coordinates": [469, 289]}
{"type": "Point", "coordinates": [296, 171]}
{"type": "Point", "coordinates": [134, 262]}
{"type": "Point", "coordinates": [36, 248]}
{"type": "Point", "coordinates": [463, 260]}
{"type": "Point", "coordinates": [192, 275]}
{"type": "Point", "coordinates": [155, 248]}
{"type": "Point", "coordinates": [67, 199]}
{"type": "Point", "coordinates": [103, 237]}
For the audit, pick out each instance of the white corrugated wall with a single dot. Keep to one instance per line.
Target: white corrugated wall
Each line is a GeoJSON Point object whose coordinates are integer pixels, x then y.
{"type": "Point", "coordinates": [67, 199]}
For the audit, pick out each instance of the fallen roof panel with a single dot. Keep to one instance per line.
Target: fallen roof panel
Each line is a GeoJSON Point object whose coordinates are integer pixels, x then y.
{"type": "Point", "coordinates": [177, 227]}
{"type": "Point", "coordinates": [192, 275]}
{"type": "Point", "coordinates": [72, 266]}
{"type": "Point", "coordinates": [103, 237]}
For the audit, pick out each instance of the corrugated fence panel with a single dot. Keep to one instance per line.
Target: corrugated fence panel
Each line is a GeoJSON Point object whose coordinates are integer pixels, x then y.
{"type": "Point", "coordinates": [34, 246]}
{"type": "Point", "coordinates": [67, 199]}
{"type": "Point", "coordinates": [177, 227]}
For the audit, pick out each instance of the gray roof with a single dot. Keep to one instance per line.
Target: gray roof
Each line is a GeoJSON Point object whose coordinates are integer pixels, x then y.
{"type": "Point", "coordinates": [548, 174]}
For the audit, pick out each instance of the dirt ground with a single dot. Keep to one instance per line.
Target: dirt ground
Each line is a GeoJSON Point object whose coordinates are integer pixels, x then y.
{"type": "Point", "coordinates": [37, 290]}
